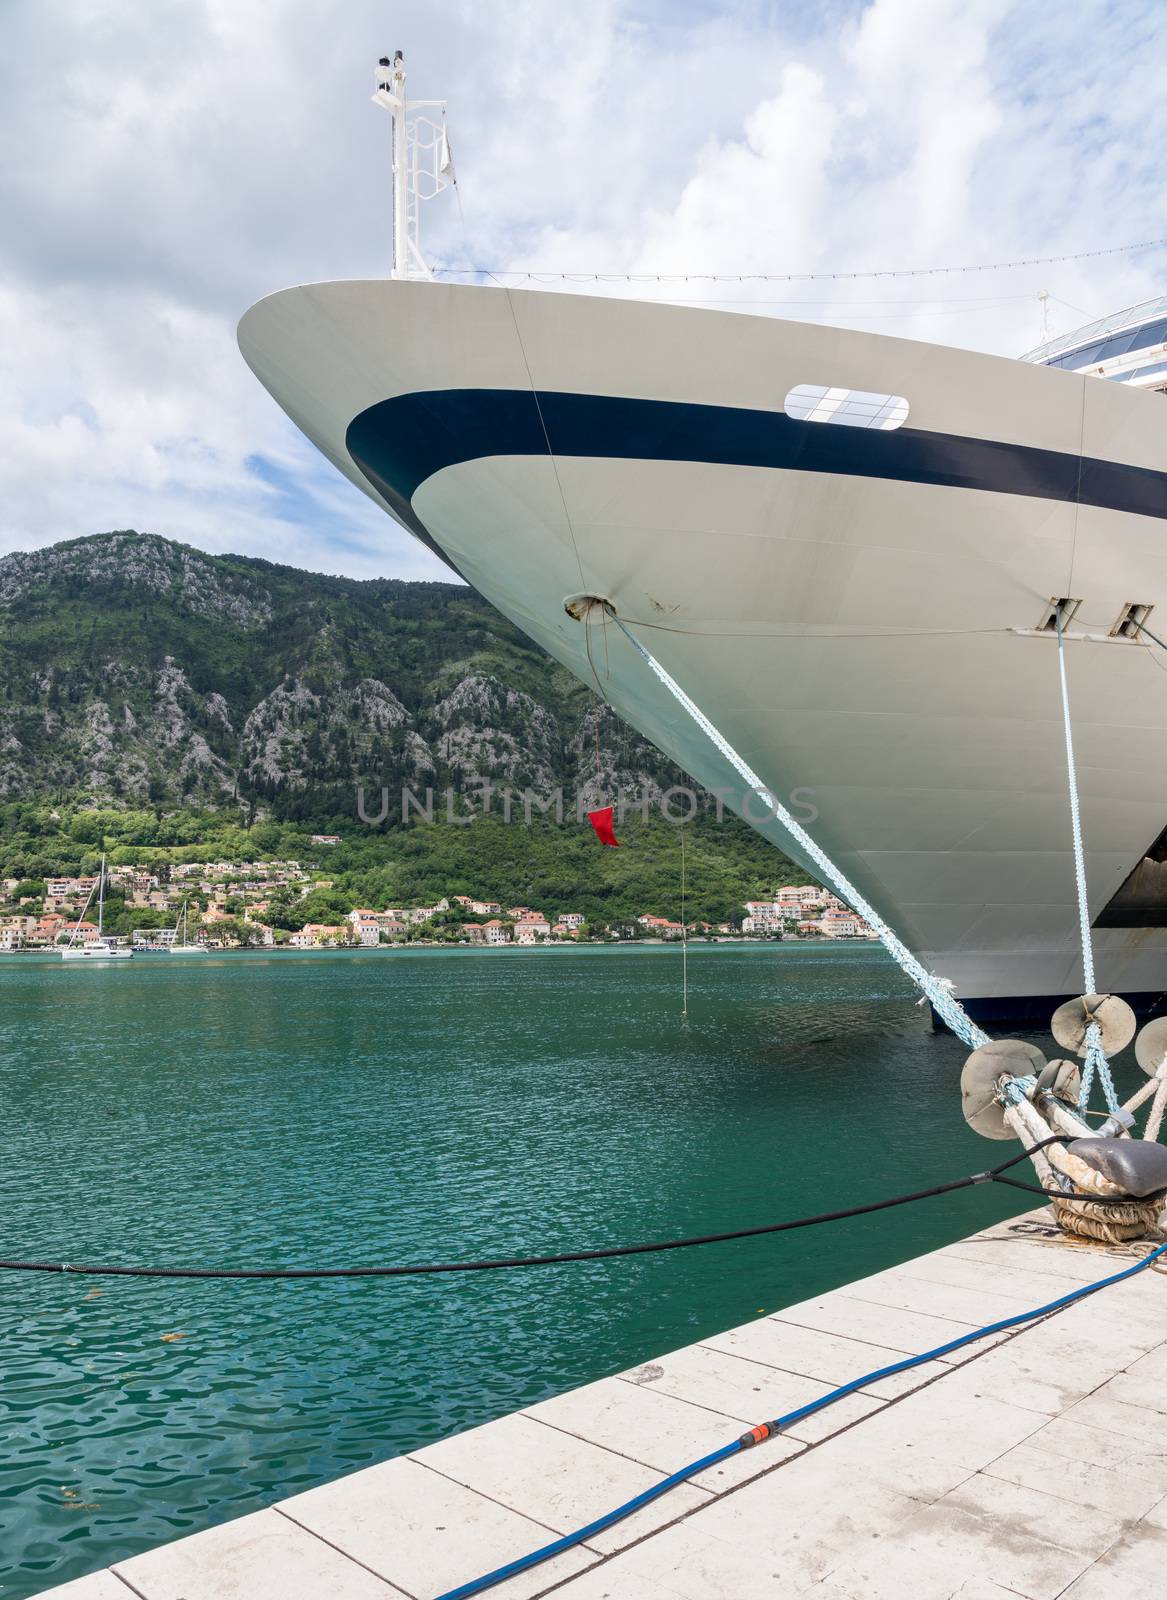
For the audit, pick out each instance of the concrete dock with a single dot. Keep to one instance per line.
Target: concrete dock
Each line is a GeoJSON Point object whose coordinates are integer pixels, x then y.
{"type": "Point", "coordinates": [1030, 1464]}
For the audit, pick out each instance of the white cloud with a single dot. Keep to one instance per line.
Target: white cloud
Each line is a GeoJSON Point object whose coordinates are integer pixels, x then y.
{"type": "Point", "coordinates": [129, 416]}
{"type": "Point", "coordinates": [162, 167]}
{"type": "Point", "coordinates": [919, 133]}
{"type": "Point", "coordinates": [754, 199]}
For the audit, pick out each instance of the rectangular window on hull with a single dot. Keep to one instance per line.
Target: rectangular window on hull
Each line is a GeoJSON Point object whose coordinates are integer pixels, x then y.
{"type": "Point", "coordinates": [853, 408]}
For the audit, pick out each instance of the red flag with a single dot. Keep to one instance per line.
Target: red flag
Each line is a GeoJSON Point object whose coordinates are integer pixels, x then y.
{"type": "Point", "coordinates": [601, 821]}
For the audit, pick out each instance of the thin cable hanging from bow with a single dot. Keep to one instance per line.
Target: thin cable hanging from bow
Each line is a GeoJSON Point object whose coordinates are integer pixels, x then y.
{"type": "Point", "coordinates": [945, 1004]}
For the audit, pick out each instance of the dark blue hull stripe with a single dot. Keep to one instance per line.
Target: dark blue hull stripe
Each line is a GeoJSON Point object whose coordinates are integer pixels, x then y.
{"type": "Point", "coordinates": [399, 443]}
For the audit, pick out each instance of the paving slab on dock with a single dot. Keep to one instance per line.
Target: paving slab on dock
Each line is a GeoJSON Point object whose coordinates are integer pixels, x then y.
{"type": "Point", "coordinates": [1031, 1464]}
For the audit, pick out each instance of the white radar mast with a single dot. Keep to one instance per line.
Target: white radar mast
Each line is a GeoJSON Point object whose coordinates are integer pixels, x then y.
{"type": "Point", "coordinates": [422, 164]}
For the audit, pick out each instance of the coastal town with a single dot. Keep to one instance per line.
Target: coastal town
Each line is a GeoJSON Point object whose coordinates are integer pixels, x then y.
{"type": "Point", "coordinates": [227, 906]}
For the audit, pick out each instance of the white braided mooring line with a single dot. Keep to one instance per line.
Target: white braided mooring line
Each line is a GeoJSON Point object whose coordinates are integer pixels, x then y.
{"type": "Point", "coordinates": [944, 1003]}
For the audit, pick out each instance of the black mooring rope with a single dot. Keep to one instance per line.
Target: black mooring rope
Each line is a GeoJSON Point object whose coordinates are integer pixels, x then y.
{"type": "Point", "coordinates": [993, 1175]}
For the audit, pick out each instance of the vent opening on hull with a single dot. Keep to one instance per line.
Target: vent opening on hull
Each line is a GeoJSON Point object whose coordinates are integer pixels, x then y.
{"type": "Point", "coordinates": [853, 408]}
{"type": "Point", "coordinates": [1049, 617]}
{"type": "Point", "coordinates": [1130, 621]}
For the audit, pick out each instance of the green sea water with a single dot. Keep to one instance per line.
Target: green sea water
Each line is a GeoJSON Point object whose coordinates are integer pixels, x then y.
{"type": "Point", "coordinates": [381, 1106]}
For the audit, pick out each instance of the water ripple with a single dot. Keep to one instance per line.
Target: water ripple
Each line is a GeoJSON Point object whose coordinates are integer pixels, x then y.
{"type": "Point", "coordinates": [413, 1106]}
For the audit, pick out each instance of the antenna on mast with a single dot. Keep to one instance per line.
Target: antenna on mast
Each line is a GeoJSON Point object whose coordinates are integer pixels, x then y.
{"type": "Point", "coordinates": [422, 164]}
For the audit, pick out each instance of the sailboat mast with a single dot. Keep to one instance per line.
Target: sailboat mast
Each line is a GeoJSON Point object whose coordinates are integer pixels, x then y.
{"type": "Point", "coordinates": [80, 917]}
{"type": "Point", "coordinates": [101, 897]}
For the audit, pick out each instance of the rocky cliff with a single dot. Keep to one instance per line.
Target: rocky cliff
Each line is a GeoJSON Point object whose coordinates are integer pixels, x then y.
{"type": "Point", "coordinates": [135, 670]}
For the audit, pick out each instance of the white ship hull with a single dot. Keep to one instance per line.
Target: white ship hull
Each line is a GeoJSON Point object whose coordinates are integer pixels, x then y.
{"type": "Point", "coordinates": [93, 953]}
{"type": "Point", "coordinates": [857, 612]}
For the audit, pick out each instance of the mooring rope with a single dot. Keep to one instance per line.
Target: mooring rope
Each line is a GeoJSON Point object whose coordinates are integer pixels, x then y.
{"type": "Point", "coordinates": [944, 1002]}
{"type": "Point", "coordinates": [1075, 818]}
{"type": "Point", "coordinates": [1095, 1055]}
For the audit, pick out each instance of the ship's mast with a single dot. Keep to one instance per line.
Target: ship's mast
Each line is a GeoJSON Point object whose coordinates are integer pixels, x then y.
{"type": "Point", "coordinates": [422, 165]}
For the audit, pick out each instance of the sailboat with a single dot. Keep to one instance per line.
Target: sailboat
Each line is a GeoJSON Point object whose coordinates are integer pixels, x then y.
{"type": "Point", "coordinates": [101, 948]}
{"type": "Point", "coordinates": [184, 948]}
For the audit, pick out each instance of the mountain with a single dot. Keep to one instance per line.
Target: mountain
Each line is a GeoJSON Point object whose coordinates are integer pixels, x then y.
{"type": "Point", "coordinates": [164, 705]}
{"type": "Point", "coordinates": [135, 671]}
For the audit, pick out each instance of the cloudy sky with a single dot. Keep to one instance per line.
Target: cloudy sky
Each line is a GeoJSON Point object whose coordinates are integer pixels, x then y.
{"type": "Point", "coordinates": [164, 165]}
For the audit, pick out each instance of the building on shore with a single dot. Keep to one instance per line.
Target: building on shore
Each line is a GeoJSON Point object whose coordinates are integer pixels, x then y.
{"type": "Point", "coordinates": [793, 910]}
{"type": "Point", "coordinates": [316, 934]}
{"type": "Point", "coordinates": [366, 927]}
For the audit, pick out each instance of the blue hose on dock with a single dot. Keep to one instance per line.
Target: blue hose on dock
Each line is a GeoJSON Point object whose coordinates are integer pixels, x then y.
{"type": "Point", "coordinates": [766, 1430]}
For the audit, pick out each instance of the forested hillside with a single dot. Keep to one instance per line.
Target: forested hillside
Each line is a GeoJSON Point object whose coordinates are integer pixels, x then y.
{"type": "Point", "coordinates": [167, 704]}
